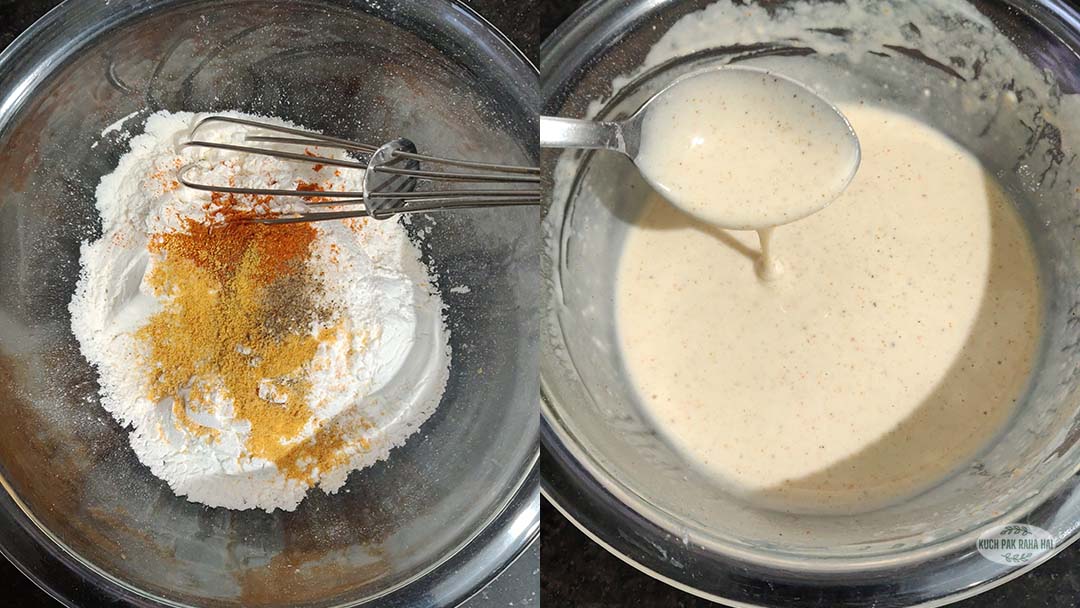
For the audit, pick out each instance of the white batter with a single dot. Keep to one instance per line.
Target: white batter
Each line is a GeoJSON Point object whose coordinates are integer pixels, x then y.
{"type": "Point", "coordinates": [743, 148]}
{"type": "Point", "coordinates": [891, 349]}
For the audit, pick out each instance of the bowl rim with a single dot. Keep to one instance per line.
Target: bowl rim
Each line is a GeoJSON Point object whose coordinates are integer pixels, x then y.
{"type": "Point", "coordinates": [630, 528]}
{"type": "Point", "coordinates": [72, 580]}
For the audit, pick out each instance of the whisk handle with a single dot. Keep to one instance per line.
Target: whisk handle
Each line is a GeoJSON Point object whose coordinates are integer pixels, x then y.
{"type": "Point", "coordinates": [573, 133]}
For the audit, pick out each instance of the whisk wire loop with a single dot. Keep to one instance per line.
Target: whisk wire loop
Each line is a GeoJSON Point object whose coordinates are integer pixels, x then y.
{"type": "Point", "coordinates": [394, 180]}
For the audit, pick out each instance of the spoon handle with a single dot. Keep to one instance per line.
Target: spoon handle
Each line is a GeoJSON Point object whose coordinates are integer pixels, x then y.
{"type": "Point", "coordinates": [574, 133]}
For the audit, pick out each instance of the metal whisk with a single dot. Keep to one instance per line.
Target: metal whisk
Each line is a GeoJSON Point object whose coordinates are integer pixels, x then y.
{"type": "Point", "coordinates": [394, 179]}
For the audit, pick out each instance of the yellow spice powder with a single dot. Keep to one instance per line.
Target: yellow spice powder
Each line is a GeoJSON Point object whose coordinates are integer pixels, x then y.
{"type": "Point", "coordinates": [212, 337]}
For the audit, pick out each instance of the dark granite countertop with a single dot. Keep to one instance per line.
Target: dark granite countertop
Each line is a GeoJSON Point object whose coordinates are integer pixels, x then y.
{"type": "Point", "coordinates": [577, 572]}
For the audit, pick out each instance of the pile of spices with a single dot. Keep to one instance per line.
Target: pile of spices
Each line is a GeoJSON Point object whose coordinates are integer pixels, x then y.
{"type": "Point", "coordinates": [243, 317]}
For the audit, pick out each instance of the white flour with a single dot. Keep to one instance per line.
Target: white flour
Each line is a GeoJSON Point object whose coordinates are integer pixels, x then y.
{"type": "Point", "coordinates": [380, 376]}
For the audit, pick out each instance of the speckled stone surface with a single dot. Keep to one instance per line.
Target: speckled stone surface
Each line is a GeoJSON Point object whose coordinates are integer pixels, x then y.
{"type": "Point", "coordinates": [518, 586]}
{"type": "Point", "coordinates": [579, 573]}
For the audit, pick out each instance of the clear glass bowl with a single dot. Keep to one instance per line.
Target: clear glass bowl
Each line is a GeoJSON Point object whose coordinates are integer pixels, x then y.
{"type": "Point", "coordinates": [611, 473]}
{"type": "Point", "coordinates": [449, 509]}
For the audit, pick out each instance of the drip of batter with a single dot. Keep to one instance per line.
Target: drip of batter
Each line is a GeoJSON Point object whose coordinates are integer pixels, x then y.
{"type": "Point", "coordinates": [890, 351]}
{"type": "Point", "coordinates": [769, 267]}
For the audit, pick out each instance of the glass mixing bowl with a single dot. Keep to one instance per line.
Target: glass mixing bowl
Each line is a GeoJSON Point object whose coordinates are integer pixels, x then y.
{"type": "Point", "coordinates": [449, 509]}
{"type": "Point", "coordinates": [998, 77]}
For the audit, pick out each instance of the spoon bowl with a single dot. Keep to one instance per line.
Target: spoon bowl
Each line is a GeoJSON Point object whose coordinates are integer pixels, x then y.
{"type": "Point", "coordinates": [737, 147]}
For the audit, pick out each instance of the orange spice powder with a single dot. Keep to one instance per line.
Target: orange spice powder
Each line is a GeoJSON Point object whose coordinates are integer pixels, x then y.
{"type": "Point", "coordinates": [212, 336]}
{"type": "Point", "coordinates": [303, 186]}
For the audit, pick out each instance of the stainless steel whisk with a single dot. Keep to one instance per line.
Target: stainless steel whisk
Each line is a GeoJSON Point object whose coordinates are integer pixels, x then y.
{"type": "Point", "coordinates": [394, 180]}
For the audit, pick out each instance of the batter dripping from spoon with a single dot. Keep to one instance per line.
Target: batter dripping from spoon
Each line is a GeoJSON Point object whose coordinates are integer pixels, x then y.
{"type": "Point", "coordinates": [746, 149]}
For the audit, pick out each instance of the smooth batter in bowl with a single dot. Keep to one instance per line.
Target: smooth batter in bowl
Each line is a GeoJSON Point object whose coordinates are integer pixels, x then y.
{"type": "Point", "coordinates": [948, 65]}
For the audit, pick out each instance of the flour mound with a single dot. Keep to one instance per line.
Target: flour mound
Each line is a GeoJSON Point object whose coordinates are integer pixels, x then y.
{"type": "Point", "coordinates": [379, 377]}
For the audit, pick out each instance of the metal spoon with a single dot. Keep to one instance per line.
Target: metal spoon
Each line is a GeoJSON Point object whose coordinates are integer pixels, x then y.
{"type": "Point", "coordinates": [626, 137]}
